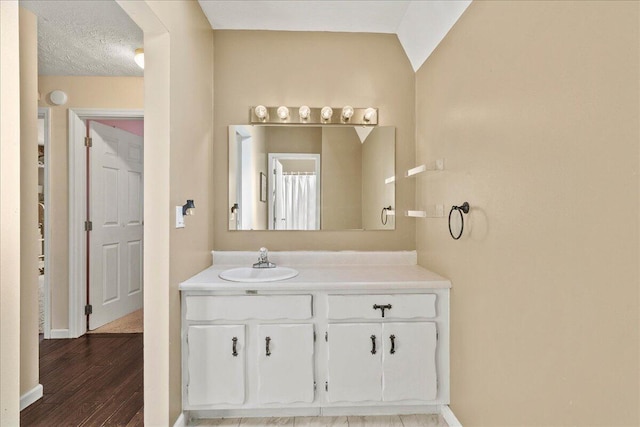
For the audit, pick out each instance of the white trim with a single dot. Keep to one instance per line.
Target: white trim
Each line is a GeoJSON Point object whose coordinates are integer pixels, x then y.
{"type": "Point", "coordinates": [180, 422]}
{"type": "Point", "coordinates": [57, 334]}
{"type": "Point", "coordinates": [375, 410]}
{"type": "Point", "coordinates": [45, 112]}
{"type": "Point", "coordinates": [449, 417]}
{"type": "Point", "coordinates": [77, 204]}
{"type": "Point", "coordinates": [31, 396]}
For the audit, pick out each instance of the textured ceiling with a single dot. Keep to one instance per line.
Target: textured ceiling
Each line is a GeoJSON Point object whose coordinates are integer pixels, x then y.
{"type": "Point", "coordinates": [420, 25]}
{"type": "Point", "coordinates": [85, 38]}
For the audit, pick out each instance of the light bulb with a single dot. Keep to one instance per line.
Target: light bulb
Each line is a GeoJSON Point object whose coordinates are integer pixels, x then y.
{"type": "Point", "coordinates": [139, 57]}
{"type": "Point", "coordinates": [283, 113]}
{"type": "Point", "coordinates": [326, 113]}
{"type": "Point", "coordinates": [369, 114]}
{"type": "Point", "coordinates": [347, 112]}
{"type": "Point", "coordinates": [261, 112]}
{"type": "Point", "coordinates": [304, 112]}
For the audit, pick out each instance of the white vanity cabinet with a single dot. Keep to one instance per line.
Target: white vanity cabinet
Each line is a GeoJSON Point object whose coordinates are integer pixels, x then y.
{"type": "Point", "coordinates": [388, 362]}
{"type": "Point", "coordinates": [216, 364]}
{"type": "Point", "coordinates": [335, 340]}
{"type": "Point", "coordinates": [285, 364]}
{"type": "Point", "coordinates": [266, 359]}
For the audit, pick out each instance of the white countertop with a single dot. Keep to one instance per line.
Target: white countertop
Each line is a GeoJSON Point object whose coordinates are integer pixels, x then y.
{"type": "Point", "coordinates": [325, 277]}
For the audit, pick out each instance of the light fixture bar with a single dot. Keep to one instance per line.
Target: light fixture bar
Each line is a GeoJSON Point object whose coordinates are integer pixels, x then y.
{"type": "Point", "coordinates": [359, 116]}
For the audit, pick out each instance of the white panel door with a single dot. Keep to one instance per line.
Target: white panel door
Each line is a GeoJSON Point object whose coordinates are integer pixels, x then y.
{"type": "Point", "coordinates": [409, 361]}
{"type": "Point", "coordinates": [216, 364]}
{"type": "Point", "coordinates": [355, 362]}
{"type": "Point", "coordinates": [115, 250]}
{"type": "Point", "coordinates": [285, 363]}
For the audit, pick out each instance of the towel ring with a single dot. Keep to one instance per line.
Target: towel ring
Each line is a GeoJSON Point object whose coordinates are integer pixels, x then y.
{"type": "Point", "coordinates": [464, 208]}
{"type": "Point", "coordinates": [383, 214]}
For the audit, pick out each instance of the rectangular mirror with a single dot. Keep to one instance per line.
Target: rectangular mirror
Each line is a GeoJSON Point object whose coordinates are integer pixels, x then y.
{"type": "Point", "coordinates": [311, 177]}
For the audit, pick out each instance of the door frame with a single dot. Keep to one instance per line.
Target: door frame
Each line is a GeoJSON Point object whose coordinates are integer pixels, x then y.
{"type": "Point", "coordinates": [77, 209]}
{"type": "Point", "coordinates": [45, 113]}
{"type": "Point", "coordinates": [271, 184]}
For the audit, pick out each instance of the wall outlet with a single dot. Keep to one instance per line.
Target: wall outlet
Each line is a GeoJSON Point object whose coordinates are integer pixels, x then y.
{"type": "Point", "coordinates": [179, 217]}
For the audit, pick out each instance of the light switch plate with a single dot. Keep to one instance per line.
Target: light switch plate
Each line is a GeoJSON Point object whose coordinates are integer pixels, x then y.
{"type": "Point", "coordinates": [179, 217]}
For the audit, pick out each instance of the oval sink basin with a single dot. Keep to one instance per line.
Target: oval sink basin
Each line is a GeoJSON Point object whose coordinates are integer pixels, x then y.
{"type": "Point", "coordinates": [252, 275]}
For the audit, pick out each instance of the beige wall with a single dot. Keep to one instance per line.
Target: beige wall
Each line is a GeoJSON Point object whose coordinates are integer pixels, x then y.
{"type": "Point", "coordinates": [9, 215]}
{"type": "Point", "coordinates": [377, 166]}
{"type": "Point", "coordinates": [320, 69]}
{"type": "Point", "coordinates": [281, 139]}
{"type": "Point", "coordinates": [535, 106]}
{"type": "Point", "coordinates": [83, 92]}
{"type": "Point", "coordinates": [190, 173]}
{"type": "Point", "coordinates": [341, 177]}
{"type": "Point", "coordinates": [29, 235]}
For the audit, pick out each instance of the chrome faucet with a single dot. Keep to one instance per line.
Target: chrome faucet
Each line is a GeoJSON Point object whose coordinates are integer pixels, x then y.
{"type": "Point", "coordinates": [263, 260]}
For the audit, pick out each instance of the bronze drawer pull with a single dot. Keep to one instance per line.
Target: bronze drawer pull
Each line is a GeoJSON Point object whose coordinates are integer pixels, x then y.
{"type": "Point", "coordinates": [382, 307]}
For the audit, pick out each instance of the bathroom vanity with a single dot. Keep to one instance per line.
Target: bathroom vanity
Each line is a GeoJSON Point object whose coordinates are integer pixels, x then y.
{"type": "Point", "coordinates": [353, 333]}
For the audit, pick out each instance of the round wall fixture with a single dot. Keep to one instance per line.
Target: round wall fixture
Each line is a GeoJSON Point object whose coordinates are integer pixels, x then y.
{"type": "Point", "coordinates": [304, 112]}
{"type": "Point", "coordinates": [58, 97]}
{"type": "Point", "coordinates": [283, 113]}
{"type": "Point", "coordinates": [261, 112]}
{"type": "Point", "coordinates": [326, 113]}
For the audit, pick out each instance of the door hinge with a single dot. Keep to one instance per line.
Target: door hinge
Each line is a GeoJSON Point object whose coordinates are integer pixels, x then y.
{"type": "Point", "coordinates": [315, 386]}
{"type": "Point", "coordinates": [88, 309]}
{"type": "Point", "coordinates": [88, 226]}
{"type": "Point", "coordinates": [314, 336]}
{"type": "Point", "coordinates": [88, 142]}
{"type": "Point", "coordinates": [326, 386]}
{"type": "Point", "coordinates": [326, 336]}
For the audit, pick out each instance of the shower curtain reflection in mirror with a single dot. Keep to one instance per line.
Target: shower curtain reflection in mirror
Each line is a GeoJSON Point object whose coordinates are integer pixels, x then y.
{"type": "Point", "coordinates": [294, 191]}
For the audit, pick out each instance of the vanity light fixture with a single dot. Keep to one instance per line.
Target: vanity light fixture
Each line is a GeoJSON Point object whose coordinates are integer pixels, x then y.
{"type": "Point", "coordinates": [261, 112]}
{"type": "Point", "coordinates": [369, 114]}
{"type": "Point", "coordinates": [347, 112]}
{"type": "Point", "coordinates": [305, 115]}
{"type": "Point", "coordinates": [326, 113]}
{"type": "Point", "coordinates": [283, 113]}
{"type": "Point", "coordinates": [304, 112]}
{"type": "Point", "coordinates": [139, 57]}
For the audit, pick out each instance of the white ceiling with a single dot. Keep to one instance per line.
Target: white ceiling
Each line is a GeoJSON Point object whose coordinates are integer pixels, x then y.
{"type": "Point", "coordinates": [307, 15]}
{"type": "Point", "coordinates": [97, 38]}
{"type": "Point", "coordinates": [85, 38]}
{"type": "Point", "coordinates": [420, 25]}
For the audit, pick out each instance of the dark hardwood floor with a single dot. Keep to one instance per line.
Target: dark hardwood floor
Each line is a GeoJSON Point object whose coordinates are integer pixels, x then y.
{"type": "Point", "coordinates": [94, 380]}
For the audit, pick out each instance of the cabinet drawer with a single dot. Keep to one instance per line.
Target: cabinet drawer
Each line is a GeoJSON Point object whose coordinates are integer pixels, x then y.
{"type": "Point", "coordinates": [293, 307]}
{"type": "Point", "coordinates": [402, 306]}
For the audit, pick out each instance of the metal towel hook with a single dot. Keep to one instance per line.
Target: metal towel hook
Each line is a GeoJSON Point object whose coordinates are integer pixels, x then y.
{"type": "Point", "coordinates": [462, 209]}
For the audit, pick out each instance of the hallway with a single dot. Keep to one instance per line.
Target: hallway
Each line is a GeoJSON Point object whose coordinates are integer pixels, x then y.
{"type": "Point", "coordinates": [93, 380]}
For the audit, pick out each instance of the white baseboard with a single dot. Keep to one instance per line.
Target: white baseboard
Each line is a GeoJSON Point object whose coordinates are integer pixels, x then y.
{"type": "Point", "coordinates": [31, 396]}
{"type": "Point", "coordinates": [449, 417]}
{"type": "Point", "coordinates": [59, 334]}
{"type": "Point", "coordinates": [180, 422]}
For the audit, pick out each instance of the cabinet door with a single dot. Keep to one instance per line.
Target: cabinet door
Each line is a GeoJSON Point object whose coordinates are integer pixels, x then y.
{"type": "Point", "coordinates": [354, 366]}
{"type": "Point", "coordinates": [285, 363]}
{"type": "Point", "coordinates": [216, 364]}
{"type": "Point", "coordinates": [409, 361]}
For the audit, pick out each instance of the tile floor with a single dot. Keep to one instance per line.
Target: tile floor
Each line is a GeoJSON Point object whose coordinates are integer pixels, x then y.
{"type": "Point", "coordinates": [433, 420]}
